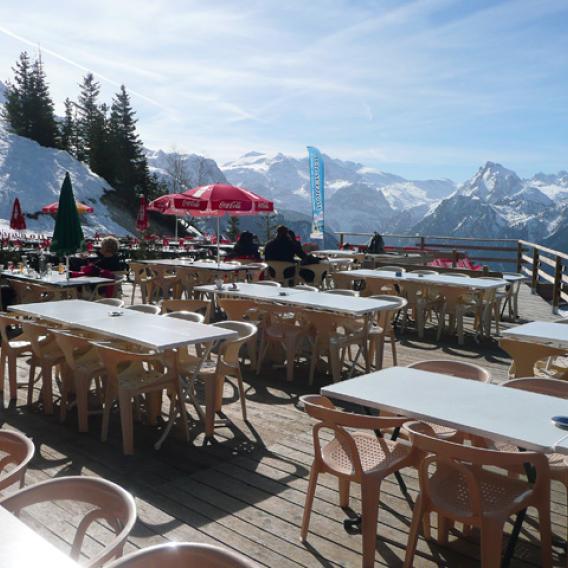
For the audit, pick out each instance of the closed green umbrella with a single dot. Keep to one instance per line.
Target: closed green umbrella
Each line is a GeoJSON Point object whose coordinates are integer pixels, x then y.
{"type": "Point", "coordinates": [68, 235]}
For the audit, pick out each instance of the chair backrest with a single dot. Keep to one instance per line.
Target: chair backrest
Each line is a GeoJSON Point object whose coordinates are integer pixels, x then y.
{"type": "Point", "coordinates": [306, 288]}
{"type": "Point", "coordinates": [184, 555]}
{"type": "Point", "coordinates": [336, 420]}
{"type": "Point", "coordinates": [448, 460]}
{"type": "Point", "coordinates": [229, 348]}
{"type": "Point", "coordinates": [111, 503]}
{"type": "Point", "coordinates": [139, 271]}
{"type": "Point", "coordinates": [17, 450]}
{"type": "Point", "coordinates": [343, 281]}
{"type": "Point", "coordinates": [199, 306]}
{"type": "Point", "coordinates": [257, 269]}
{"type": "Point", "coordinates": [187, 316]}
{"type": "Point", "coordinates": [392, 268]}
{"type": "Point", "coordinates": [268, 283]}
{"type": "Point", "coordinates": [277, 268]}
{"type": "Point", "coordinates": [145, 308]}
{"type": "Point", "coordinates": [540, 385]}
{"type": "Point", "coordinates": [9, 322]}
{"type": "Point", "coordinates": [342, 292]}
{"type": "Point", "coordinates": [239, 309]}
{"type": "Point", "coordinates": [461, 369]}
{"type": "Point", "coordinates": [35, 333]}
{"type": "Point", "coordinates": [111, 302]}
{"type": "Point", "coordinates": [72, 346]}
{"type": "Point", "coordinates": [314, 273]}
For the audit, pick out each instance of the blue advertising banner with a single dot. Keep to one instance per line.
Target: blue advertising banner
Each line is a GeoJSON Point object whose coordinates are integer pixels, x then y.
{"type": "Point", "coordinates": [316, 189]}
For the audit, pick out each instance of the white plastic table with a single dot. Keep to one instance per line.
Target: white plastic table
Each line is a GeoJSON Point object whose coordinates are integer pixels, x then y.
{"type": "Point", "coordinates": [340, 253]}
{"type": "Point", "coordinates": [482, 409]}
{"type": "Point", "coordinates": [545, 333]}
{"type": "Point", "coordinates": [433, 279]}
{"type": "Point", "coordinates": [21, 547]}
{"type": "Point", "coordinates": [156, 332]}
{"type": "Point", "coordinates": [56, 279]}
{"type": "Point", "coordinates": [350, 305]}
{"type": "Point", "coordinates": [199, 265]}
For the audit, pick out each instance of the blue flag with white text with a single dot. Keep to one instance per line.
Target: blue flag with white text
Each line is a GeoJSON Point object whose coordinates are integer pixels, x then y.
{"type": "Point", "coordinates": [316, 189]}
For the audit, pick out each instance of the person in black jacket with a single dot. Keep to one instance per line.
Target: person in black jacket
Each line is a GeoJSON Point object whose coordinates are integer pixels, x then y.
{"type": "Point", "coordinates": [245, 247]}
{"type": "Point", "coordinates": [108, 256]}
{"type": "Point", "coordinates": [282, 247]}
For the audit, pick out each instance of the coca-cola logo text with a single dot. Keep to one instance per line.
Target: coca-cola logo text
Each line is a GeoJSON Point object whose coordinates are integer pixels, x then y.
{"type": "Point", "coordinates": [231, 205]}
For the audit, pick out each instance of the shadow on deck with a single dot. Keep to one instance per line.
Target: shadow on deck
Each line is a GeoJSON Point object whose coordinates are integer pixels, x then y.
{"type": "Point", "coordinates": [246, 490]}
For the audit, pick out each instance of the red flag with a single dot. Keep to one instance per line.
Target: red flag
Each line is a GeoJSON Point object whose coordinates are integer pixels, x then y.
{"type": "Point", "coordinates": [17, 220]}
{"type": "Point", "coordinates": [142, 218]}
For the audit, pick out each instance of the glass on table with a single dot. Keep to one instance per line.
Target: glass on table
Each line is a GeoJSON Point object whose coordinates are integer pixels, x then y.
{"type": "Point", "coordinates": [10, 266]}
{"type": "Point", "coordinates": [61, 268]}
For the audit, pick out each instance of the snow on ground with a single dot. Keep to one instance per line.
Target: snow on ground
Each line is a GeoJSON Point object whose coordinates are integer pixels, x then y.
{"type": "Point", "coordinates": [34, 174]}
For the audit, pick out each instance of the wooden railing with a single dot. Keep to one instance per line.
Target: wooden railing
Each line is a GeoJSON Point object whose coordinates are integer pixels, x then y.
{"type": "Point", "coordinates": [547, 269]}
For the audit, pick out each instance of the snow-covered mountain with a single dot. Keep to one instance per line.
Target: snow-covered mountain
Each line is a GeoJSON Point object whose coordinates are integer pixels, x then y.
{"type": "Point", "coordinates": [193, 169]}
{"type": "Point", "coordinates": [496, 203]}
{"type": "Point", "coordinates": [34, 174]}
{"type": "Point", "coordinates": [358, 198]}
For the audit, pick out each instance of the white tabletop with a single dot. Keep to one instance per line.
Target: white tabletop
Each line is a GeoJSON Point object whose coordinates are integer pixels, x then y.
{"type": "Point", "coordinates": [339, 253]}
{"type": "Point", "coordinates": [482, 409]}
{"type": "Point", "coordinates": [351, 305]}
{"type": "Point", "coordinates": [56, 279]}
{"type": "Point", "coordinates": [156, 332]}
{"type": "Point", "coordinates": [542, 332]}
{"type": "Point", "coordinates": [21, 547]}
{"type": "Point", "coordinates": [434, 279]}
{"type": "Point", "coordinates": [200, 265]}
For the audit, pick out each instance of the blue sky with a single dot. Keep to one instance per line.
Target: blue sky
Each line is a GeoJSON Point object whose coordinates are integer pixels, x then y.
{"type": "Point", "coordinates": [423, 89]}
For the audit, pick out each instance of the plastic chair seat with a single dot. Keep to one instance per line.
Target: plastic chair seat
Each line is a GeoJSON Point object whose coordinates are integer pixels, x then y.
{"type": "Point", "coordinates": [555, 460]}
{"type": "Point", "coordinates": [450, 491]}
{"type": "Point", "coordinates": [376, 453]}
{"type": "Point", "coordinates": [133, 378]}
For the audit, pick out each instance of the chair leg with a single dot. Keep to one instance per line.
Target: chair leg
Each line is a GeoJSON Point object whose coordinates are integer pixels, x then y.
{"type": "Point", "coordinates": [125, 405]}
{"type": "Point", "coordinates": [261, 353]}
{"type": "Point", "coordinates": [444, 525]}
{"type": "Point", "coordinates": [414, 529]}
{"type": "Point", "coordinates": [47, 388]}
{"type": "Point", "coordinates": [109, 400]}
{"type": "Point", "coordinates": [393, 347]}
{"type": "Point", "coordinates": [31, 383]}
{"type": "Point", "coordinates": [334, 362]}
{"type": "Point", "coordinates": [313, 362]}
{"type": "Point", "coordinates": [312, 483]}
{"type": "Point", "coordinates": [369, 516]}
{"type": "Point", "coordinates": [344, 486]}
{"type": "Point", "coordinates": [491, 544]}
{"type": "Point", "coordinates": [290, 358]}
{"type": "Point", "coordinates": [242, 394]}
{"type": "Point", "coordinates": [545, 537]}
{"type": "Point", "coordinates": [12, 376]}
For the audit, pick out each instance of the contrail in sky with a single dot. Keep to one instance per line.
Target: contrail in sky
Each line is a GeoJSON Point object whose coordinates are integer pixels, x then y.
{"type": "Point", "coordinates": [78, 65]}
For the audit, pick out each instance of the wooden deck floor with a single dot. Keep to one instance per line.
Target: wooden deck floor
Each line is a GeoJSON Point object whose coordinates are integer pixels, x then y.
{"type": "Point", "coordinates": [247, 490]}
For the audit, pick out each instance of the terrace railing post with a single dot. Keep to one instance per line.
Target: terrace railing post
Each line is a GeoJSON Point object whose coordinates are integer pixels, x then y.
{"type": "Point", "coordinates": [454, 258]}
{"type": "Point", "coordinates": [422, 243]}
{"type": "Point", "coordinates": [519, 257]}
{"type": "Point", "coordinates": [557, 285]}
{"type": "Point", "coordinates": [340, 240]}
{"type": "Point", "coordinates": [534, 281]}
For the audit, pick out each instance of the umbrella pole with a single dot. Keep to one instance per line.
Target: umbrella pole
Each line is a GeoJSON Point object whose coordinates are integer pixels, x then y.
{"type": "Point", "coordinates": [176, 232]}
{"type": "Point", "coordinates": [218, 239]}
{"type": "Point", "coordinates": [67, 266]}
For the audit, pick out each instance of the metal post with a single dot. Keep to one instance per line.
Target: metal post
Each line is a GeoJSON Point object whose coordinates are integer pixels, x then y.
{"type": "Point", "coordinates": [557, 285]}
{"type": "Point", "coordinates": [534, 281]}
{"type": "Point", "coordinates": [519, 257]}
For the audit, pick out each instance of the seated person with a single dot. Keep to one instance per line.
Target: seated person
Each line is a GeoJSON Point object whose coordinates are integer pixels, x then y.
{"type": "Point", "coordinates": [108, 256]}
{"type": "Point", "coordinates": [281, 248]}
{"type": "Point", "coordinates": [244, 248]}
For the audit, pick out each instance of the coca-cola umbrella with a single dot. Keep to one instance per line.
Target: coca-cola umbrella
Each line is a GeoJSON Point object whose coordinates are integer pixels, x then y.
{"type": "Point", "coordinates": [142, 217]}
{"type": "Point", "coordinates": [17, 219]}
{"type": "Point", "coordinates": [176, 204]}
{"type": "Point", "coordinates": [224, 199]}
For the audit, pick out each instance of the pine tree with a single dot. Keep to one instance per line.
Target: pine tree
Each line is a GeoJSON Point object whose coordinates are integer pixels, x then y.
{"type": "Point", "coordinates": [131, 173]}
{"type": "Point", "coordinates": [68, 131]}
{"type": "Point", "coordinates": [233, 228]}
{"type": "Point", "coordinates": [43, 126]}
{"type": "Point", "coordinates": [89, 120]}
{"type": "Point", "coordinates": [16, 107]}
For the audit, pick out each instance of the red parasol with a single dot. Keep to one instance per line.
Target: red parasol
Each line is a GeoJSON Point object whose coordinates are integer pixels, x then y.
{"type": "Point", "coordinates": [223, 199]}
{"type": "Point", "coordinates": [142, 218]}
{"type": "Point", "coordinates": [81, 208]}
{"type": "Point", "coordinates": [17, 220]}
{"type": "Point", "coordinates": [177, 204]}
